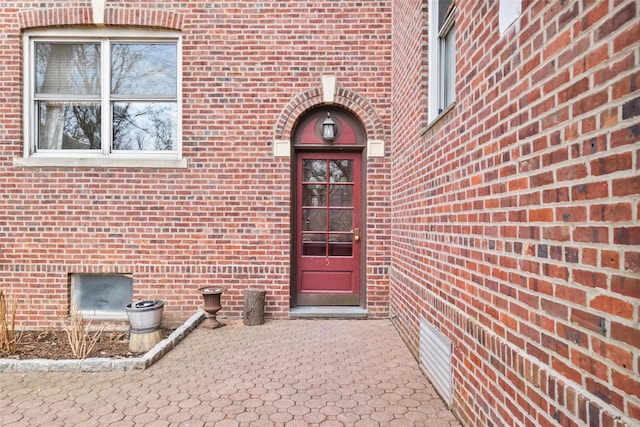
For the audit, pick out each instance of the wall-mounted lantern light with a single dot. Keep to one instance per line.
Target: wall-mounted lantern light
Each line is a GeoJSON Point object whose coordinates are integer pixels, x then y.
{"type": "Point", "coordinates": [328, 129]}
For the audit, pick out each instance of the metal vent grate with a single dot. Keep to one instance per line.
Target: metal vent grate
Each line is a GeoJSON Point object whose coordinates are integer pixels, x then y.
{"type": "Point", "coordinates": [435, 359]}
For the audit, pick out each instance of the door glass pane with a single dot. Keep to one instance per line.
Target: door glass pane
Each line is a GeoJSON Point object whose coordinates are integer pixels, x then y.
{"type": "Point", "coordinates": [144, 69]}
{"type": "Point", "coordinates": [314, 195]}
{"type": "Point", "coordinates": [341, 245]}
{"type": "Point", "coordinates": [327, 207]}
{"type": "Point", "coordinates": [341, 195]}
{"type": "Point", "coordinates": [67, 68]}
{"type": "Point", "coordinates": [314, 219]}
{"type": "Point", "coordinates": [341, 170]}
{"type": "Point", "coordinates": [314, 244]}
{"type": "Point", "coordinates": [340, 219]}
{"type": "Point", "coordinates": [314, 171]}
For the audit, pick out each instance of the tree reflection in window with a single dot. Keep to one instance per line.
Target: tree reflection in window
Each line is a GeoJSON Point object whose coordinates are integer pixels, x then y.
{"type": "Point", "coordinates": [327, 221]}
{"type": "Point", "coordinates": [142, 96]}
{"type": "Point", "coordinates": [143, 69]}
{"type": "Point", "coordinates": [144, 126]}
{"type": "Point", "coordinates": [65, 72]}
{"type": "Point", "coordinates": [341, 170]}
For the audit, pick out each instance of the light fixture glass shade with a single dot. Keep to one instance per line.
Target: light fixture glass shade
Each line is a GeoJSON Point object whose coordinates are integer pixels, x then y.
{"type": "Point", "coordinates": [328, 129]}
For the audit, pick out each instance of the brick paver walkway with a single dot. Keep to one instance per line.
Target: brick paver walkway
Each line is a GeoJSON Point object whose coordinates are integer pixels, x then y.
{"type": "Point", "coordinates": [283, 373]}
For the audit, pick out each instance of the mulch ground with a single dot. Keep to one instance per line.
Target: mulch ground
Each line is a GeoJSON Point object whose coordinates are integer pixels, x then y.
{"type": "Point", "coordinates": [55, 345]}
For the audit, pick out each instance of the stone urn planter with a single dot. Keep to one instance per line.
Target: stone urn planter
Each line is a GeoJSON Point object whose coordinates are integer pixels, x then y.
{"type": "Point", "coordinates": [145, 318]}
{"type": "Point", "coordinates": [211, 296]}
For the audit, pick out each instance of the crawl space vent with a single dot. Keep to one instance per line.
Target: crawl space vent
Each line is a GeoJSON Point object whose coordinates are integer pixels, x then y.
{"type": "Point", "coordinates": [435, 359]}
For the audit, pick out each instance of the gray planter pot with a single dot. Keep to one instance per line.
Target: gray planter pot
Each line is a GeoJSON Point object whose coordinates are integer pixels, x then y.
{"type": "Point", "coordinates": [145, 316]}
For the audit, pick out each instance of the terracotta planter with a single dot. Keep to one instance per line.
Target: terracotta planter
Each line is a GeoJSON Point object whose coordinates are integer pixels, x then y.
{"type": "Point", "coordinates": [211, 296]}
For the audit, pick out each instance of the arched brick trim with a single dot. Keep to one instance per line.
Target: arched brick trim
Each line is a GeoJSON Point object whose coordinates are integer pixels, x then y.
{"type": "Point", "coordinates": [144, 18]}
{"type": "Point", "coordinates": [55, 17]}
{"type": "Point", "coordinates": [113, 16]}
{"type": "Point", "coordinates": [345, 98]}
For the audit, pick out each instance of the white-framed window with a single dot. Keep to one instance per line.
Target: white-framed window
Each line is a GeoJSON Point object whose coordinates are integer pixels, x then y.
{"type": "Point", "coordinates": [509, 12]}
{"type": "Point", "coordinates": [102, 97]}
{"type": "Point", "coordinates": [442, 56]}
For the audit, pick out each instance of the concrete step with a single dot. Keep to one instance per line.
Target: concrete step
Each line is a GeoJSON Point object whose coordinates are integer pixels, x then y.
{"type": "Point", "coordinates": [328, 312]}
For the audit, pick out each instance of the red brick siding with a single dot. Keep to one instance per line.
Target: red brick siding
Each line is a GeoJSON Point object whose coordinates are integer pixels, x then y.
{"type": "Point", "coordinates": [225, 220]}
{"type": "Point", "coordinates": [515, 217]}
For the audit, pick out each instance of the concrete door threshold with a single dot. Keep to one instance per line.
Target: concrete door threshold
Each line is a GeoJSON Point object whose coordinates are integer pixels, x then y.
{"type": "Point", "coordinates": [328, 312]}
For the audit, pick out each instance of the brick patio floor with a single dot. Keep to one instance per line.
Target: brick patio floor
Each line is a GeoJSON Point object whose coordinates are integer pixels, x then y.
{"type": "Point", "coordinates": [283, 373]}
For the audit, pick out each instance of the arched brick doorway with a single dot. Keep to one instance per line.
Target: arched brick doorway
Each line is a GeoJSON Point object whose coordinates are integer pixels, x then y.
{"type": "Point", "coordinates": [328, 213]}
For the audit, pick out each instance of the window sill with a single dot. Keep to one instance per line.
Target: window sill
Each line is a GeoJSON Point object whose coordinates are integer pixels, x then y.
{"type": "Point", "coordinates": [439, 117]}
{"type": "Point", "coordinates": [104, 317]}
{"type": "Point", "coordinates": [99, 162]}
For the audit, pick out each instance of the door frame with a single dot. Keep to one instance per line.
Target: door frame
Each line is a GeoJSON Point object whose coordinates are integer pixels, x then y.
{"type": "Point", "coordinates": [356, 146]}
{"type": "Point", "coordinates": [336, 283]}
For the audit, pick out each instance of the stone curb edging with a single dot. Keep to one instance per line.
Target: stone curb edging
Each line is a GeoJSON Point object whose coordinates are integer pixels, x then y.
{"type": "Point", "coordinates": [105, 364]}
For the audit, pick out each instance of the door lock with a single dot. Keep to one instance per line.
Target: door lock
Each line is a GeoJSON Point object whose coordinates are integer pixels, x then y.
{"type": "Point", "coordinates": [356, 234]}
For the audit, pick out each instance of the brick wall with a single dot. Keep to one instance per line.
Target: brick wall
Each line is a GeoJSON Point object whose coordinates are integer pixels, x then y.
{"type": "Point", "coordinates": [225, 220]}
{"type": "Point", "coordinates": [516, 216]}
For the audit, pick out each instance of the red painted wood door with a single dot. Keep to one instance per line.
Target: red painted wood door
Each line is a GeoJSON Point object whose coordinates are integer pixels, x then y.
{"type": "Point", "coordinates": [328, 228]}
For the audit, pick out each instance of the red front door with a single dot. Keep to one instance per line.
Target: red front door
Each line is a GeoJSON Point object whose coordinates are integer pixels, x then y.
{"type": "Point", "coordinates": [328, 228]}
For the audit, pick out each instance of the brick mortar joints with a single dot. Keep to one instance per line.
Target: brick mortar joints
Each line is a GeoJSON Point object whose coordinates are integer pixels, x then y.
{"type": "Point", "coordinates": [508, 354]}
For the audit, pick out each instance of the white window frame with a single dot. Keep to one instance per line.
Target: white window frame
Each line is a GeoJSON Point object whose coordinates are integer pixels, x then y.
{"type": "Point", "coordinates": [104, 157]}
{"type": "Point", "coordinates": [439, 75]}
{"type": "Point", "coordinates": [510, 10]}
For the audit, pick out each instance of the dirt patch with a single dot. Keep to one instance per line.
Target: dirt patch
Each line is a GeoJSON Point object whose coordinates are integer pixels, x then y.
{"type": "Point", "coordinates": [54, 345]}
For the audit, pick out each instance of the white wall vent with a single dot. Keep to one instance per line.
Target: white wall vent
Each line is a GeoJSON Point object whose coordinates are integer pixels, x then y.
{"type": "Point", "coordinates": [435, 359]}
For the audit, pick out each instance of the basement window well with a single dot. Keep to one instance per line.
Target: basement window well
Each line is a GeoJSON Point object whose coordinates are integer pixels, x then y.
{"type": "Point", "coordinates": [102, 296]}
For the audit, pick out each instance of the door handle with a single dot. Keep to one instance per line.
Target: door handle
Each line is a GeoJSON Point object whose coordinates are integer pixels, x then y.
{"type": "Point", "coordinates": [356, 234]}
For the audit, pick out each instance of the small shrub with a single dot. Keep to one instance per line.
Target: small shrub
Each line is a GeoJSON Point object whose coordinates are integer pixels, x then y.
{"type": "Point", "coordinates": [8, 338]}
{"type": "Point", "coordinates": [80, 338]}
